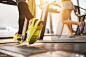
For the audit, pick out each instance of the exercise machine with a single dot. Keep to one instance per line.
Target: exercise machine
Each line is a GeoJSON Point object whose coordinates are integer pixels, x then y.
{"type": "Point", "coordinates": [11, 2]}
{"type": "Point", "coordinates": [80, 18]}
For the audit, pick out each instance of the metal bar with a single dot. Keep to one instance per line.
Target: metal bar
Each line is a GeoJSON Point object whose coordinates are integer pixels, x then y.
{"type": "Point", "coordinates": [10, 2]}
{"type": "Point", "coordinates": [82, 8]}
{"type": "Point", "coordinates": [51, 28]}
{"type": "Point", "coordinates": [46, 6]}
{"type": "Point", "coordinates": [25, 27]}
{"type": "Point", "coordinates": [62, 29]}
{"type": "Point", "coordinates": [78, 6]}
{"type": "Point", "coordinates": [45, 19]}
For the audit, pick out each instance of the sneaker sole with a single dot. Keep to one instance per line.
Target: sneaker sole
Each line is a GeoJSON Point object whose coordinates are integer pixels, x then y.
{"type": "Point", "coordinates": [35, 34]}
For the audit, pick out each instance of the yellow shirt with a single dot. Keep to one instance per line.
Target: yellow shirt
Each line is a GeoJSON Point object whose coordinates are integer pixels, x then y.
{"type": "Point", "coordinates": [32, 7]}
{"type": "Point", "coordinates": [64, 0]}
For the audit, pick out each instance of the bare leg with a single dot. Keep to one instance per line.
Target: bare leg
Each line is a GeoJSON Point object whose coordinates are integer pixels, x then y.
{"type": "Point", "coordinates": [69, 26]}
{"type": "Point", "coordinates": [70, 30]}
{"type": "Point", "coordinates": [65, 14]}
{"type": "Point", "coordinates": [71, 22]}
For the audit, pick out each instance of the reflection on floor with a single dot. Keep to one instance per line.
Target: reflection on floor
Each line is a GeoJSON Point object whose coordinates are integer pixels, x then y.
{"type": "Point", "coordinates": [4, 55]}
{"type": "Point", "coordinates": [44, 48]}
{"type": "Point", "coordinates": [64, 38]}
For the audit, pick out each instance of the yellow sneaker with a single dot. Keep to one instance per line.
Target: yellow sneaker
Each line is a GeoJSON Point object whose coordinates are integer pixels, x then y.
{"type": "Point", "coordinates": [34, 30]}
{"type": "Point", "coordinates": [17, 38]}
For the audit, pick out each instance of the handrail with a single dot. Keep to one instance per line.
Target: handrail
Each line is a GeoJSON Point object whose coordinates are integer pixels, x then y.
{"type": "Point", "coordinates": [44, 6]}
{"type": "Point", "coordinates": [81, 8]}
{"type": "Point", "coordinates": [76, 10]}
{"type": "Point", "coordinates": [10, 2]}
{"type": "Point", "coordinates": [57, 5]}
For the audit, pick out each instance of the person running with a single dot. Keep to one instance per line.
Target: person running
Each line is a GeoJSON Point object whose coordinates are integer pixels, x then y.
{"type": "Point", "coordinates": [67, 7]}
{"type": "Point", "coordinates": [28, 12]}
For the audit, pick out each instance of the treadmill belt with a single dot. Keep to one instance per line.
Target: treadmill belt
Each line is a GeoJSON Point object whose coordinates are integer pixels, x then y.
{"type": "Point", "coordinates": [22, 50]}
{"type": "Point", "coordinates": [56, 39]}
{"type": "Point", "coordinates": [42, 48]}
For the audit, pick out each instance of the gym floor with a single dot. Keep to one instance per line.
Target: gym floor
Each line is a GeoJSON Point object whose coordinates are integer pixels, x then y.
{"type": "Point", "coordinates": [44, 48]}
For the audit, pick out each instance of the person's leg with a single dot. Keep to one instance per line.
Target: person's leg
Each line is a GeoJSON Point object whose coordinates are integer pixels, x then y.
{"type": "Point", "coordinates": [21, 23]}
{"type": "Point", "coordinates": [70, 29]}
{"type": "Point", "coordinates": [36, 25]}
{"type": "Point", "coordinates": [21, 20]}
{"type": "Point", "coordinates": [17, 38]}
{"type": "Point", "coordinates": [18, 35]}
{"type": "Point", "coordinates": [24, 8]}
{"type": "Point", "coordinates": [65, 14]}
{"type": "Point", "coordinates": [69, 26]}
{"type": "Point", "coordinates": [23, 12]}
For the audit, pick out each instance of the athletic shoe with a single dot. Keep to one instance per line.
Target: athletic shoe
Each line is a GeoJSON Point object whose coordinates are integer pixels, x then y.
{"type": "Point", "coordinates": [81, 26]}
{"type": "Point", "coordinates": [34, 30]}
{"type": "Point", "coordinates": [71, 36]}
{"type": "Point", "coordinates": [17, 38]}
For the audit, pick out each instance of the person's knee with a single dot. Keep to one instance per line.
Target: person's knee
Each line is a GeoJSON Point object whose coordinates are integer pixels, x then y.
{"type": "Point", "coordinates": [22, 5]}
{"type": "Point", "coordinates": [18, 1]}
{"type": "Point", "coordinates": [21, 17]}
{"type": "Point", "coordinates": [63, 21]}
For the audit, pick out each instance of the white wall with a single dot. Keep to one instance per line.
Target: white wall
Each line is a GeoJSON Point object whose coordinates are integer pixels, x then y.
{"type": "Point", "coordinates": [8, 19]}
{"type": "Point", "coordinates": [82, 3]}
{"type": "Point", "coordinates": [8, 15]}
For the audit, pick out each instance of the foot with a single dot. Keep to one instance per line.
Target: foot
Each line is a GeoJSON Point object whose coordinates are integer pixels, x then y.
{"type": "Point", "coordinates": [34, 30]}
{"type": "Point", "coordinates": [71, 36]}
{"type": "Point", "coordinates": [17, 38]}
{"type": "Point", "coordinates": [81, 26]}
{"type": "Point", "coordinates": [80, 23]}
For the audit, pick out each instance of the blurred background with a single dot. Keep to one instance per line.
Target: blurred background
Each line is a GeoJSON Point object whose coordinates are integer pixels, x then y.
{"type": "Point", "coordinates": [9, 17]}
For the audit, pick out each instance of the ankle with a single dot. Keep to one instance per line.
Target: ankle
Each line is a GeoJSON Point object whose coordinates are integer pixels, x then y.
{"type": "Point", "coordinates": [30, 21]}
{"type": "Point", "coordinates": [19, 35]}
{"type": "Point", "coordinates": [72, 34]}
{"type": "Point", "coordinates": [80, 23]}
